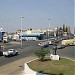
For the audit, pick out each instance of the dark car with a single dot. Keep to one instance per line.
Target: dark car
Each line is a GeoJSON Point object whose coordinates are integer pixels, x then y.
{"type": "Point", "coordinates": [60, 46]}
{"type": "Point", "coordinates": [44, 44]}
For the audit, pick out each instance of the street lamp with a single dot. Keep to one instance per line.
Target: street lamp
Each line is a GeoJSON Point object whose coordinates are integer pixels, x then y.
{"type": "Point", "coordinates": [49, 27]}
{"type": "Point", "coordinates": [21, 29]}
{"type": "Point", "coordinates": [49, 22]}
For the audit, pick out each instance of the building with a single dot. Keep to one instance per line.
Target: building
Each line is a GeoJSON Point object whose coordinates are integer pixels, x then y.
{"type": "Point", "coordinates": [1, 36]}
{"type": "Point", "coordinates": [35, 34]}
{"type": "Point", "coordinates": [5, 38]}
{"type": "Point", "coordinates": [31, 34]}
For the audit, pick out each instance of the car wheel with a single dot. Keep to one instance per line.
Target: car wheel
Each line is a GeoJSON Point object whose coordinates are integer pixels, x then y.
{"type": "Point", "coordinates": [16, 53]}
{"type": "Point", "coordinates": [5, 56]}
{"type": "Point", "coordinates": [10, 55]}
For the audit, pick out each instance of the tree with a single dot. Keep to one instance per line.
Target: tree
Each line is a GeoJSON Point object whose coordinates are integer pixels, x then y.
{"type": "Point", "coordinates": [31, 29]}
{"type": "Point", "coordinates": [41, 54]}
{"type": "Point", "coordinates": [64, 28]}
{"type": "Point", "coordinates": [57, 31]}
{"type": "Point", "coordinates": [60, 31]}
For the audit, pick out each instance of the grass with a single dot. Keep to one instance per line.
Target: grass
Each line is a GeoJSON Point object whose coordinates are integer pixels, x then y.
{"type": "Point", "coordinates": [61, 67]}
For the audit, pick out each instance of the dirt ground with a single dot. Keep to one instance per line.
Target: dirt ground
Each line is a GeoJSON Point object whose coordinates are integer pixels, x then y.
{"type": "Point", "coordinates": [16, 67]}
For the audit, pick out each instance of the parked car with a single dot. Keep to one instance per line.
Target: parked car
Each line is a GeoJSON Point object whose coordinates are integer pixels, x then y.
{"type": "Point", "coordinates": [10, 52]}
{"type": "Point", "coordinates": [39, 43]}
{"type": "Point", "coordinates": [51, 42]}
{"type": "Point", "coordinates": [44, 44]}
{"type": "Point", "coordinates": [60, 46]}
{"type": "Point", "coordinates": [56, 41]}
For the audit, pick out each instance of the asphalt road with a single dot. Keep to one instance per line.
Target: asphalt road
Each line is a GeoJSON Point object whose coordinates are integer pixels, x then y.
{"type": "Point", "coordinates": [28, 50]}
{"type": "Point", "coordinates": [68, 52]}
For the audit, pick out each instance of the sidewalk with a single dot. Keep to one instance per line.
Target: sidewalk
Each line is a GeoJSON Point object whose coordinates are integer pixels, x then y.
{"type": "Point", "coordinates": [16, 67]}
{"type": "Point", "coordinates": [20, 73]}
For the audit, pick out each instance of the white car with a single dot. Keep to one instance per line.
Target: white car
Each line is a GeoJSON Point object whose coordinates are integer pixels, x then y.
{"type": "Point", "coordinates": [10, 52]}
{"type": "Point", "coordinates": [51, 42]}
{"type": "Point", "coordinates": [44, 44]}
{"type": "Point", "coordinates": [39, 43]}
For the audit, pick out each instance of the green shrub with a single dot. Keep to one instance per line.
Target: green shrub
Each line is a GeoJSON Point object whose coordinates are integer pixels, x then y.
{"type": "Point", "coordinates": [41, 54]}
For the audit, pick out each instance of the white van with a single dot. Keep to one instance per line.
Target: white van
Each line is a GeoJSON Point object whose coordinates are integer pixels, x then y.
{"type": "Point", "coordinates": [68, 42]}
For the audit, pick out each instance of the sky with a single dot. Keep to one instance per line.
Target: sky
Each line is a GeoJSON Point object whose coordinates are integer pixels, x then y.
{"type": "Point", "coordinates": [36, 14]}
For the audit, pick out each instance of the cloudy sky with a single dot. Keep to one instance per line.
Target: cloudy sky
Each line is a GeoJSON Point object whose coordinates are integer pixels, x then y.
{"type": "Point", "coordinates": [36, 14]}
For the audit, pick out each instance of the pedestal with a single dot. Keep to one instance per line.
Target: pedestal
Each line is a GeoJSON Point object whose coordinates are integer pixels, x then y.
{"type": "Point", "coordinates": [54, 57]}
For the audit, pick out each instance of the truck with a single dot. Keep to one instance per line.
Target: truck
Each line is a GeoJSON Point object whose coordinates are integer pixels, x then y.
{"type": "Point", "coordinates": [68, 42]}
{"type": "Point", "coordinates": [10, 52]}
{"type": "Point", "coordinates": [16, 37]}
{"type": "Point", "coordinates": [5, 38]}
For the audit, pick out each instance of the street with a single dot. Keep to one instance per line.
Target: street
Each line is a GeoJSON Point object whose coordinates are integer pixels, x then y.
{"type": "Point", "coordinates": [7, 64]}
{"type": "Point", "coordinates": [28, 50]}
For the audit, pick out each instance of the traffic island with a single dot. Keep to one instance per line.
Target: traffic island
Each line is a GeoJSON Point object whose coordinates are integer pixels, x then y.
{"type": "Point", "coordinates": [29, 71]}
{"type": "Point", "coordinates": [49, 67]}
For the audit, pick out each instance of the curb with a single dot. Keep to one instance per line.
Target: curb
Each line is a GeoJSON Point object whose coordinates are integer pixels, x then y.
{"type": "Point", "coordinates": [68, 58]}
{"type": "Point", "coordinates": [27, 69]}
{"type": "Point", "coordinates": [34, 72]}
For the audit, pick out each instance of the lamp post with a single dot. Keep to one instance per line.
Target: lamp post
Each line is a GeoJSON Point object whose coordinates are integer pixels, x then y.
{"type": "Point", "coordinates": [49, 27]}
{"type": "Point", "coordinates": [49, 22]}
{"type": "Point", "coordinates": [21, 29]}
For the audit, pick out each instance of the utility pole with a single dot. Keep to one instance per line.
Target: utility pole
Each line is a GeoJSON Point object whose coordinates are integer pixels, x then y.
{"type": "Point", "coordinates": [49, 27]}
{"type": "Point", "coordinates": [21, 29]}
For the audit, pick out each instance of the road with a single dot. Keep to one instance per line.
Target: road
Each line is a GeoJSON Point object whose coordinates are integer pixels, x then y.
{"type": "Point", "coordinates": [14, 65]}
{"type": "Point", "coordinates": [68, 52]}
{"type": "Point", "coordinates": [28, 50]}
